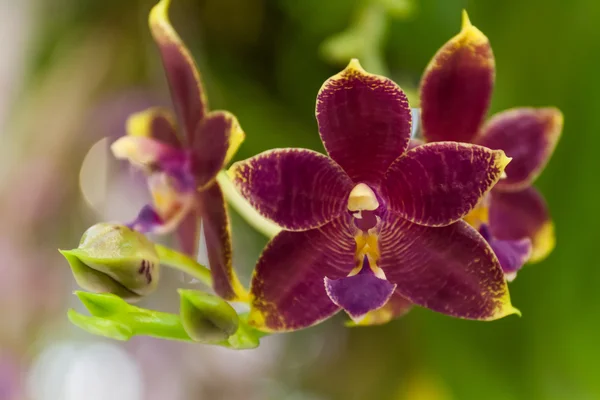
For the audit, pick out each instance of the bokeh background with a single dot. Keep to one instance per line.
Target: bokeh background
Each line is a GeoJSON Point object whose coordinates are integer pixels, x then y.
{"type": "Point", "coordinates": [72, 70]}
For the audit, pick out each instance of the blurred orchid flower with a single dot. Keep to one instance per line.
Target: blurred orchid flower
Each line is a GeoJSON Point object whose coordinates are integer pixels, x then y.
{"type": "Point", "coordinates": [374, 222]}
{"type": "Point", "coordinates": [182, 155]}
{"type": "Point", "coordinates": [455, 95]}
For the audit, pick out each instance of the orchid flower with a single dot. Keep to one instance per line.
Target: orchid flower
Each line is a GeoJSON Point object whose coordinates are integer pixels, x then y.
{"type": "Point", "coordinates": [455, 95]}
{"type": "Point", "coordinates": [182, 155]}
{"type": "Point", "coordinates": [374, 225]}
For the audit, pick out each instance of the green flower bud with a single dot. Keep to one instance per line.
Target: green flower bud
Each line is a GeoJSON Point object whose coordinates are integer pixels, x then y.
{"type": "Point", "coordinates": [207, 318]}
{"type": "Point", "coordinates": [115, 259]}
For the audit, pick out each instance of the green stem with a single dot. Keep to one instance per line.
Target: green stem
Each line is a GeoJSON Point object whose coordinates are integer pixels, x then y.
{"type": "Point", "coordinates": [239, 204]}
{"type": "Point", "coordinates": [180, 261]}
{"type": "Point", "coordinates": [157, 324]}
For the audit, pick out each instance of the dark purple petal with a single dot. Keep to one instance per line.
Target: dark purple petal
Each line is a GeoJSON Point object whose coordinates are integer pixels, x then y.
{"type": "Point", "coordinates": [155, 123]}
{"type": "Point", "coordinates": [457, 86]}
{"type": "Point", "coordinates": [523, 214]}
{"type": "Point", "coordinates": [217, 233]}
{"type": "Point", "coordinates": [512, 254]}
{"type": "Point", "coordinates": [528, 136]}
{"type": "Point", "coordinates": [396, 307]}
{"type": "Point", "coordinates": [188, 233]}
{"type": "Point", "coordinates": [288, 290]}
{"type": "Point", "coordinates": [449, 269]}
{"type": "Point", "coordinates": [298, 189]}
{"type": "Point", "coordinates": [358, 294]}
{"type": "Point", "coordinates": [217, 138]}
{"type": "Point", "coordinates": [181, 71]}
{"type": "Point", "coordinates": [439, 183]}
{"type": "Point", "coordinates": [364, 121]}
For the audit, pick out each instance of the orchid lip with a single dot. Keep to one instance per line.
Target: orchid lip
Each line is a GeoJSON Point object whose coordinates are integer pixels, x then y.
{"type": "Point", "coordinates": [362, 291]}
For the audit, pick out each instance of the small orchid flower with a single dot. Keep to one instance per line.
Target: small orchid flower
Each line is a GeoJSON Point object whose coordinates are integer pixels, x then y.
{"type": "Point", "coordinates": [455, 94]}
{"type": "Point", "coordinates": [373, 222]}
{"type": "Point", "coordinates": [182, 169]}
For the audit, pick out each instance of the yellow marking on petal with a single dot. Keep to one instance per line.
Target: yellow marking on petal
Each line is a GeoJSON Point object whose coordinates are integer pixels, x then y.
{"type": "Point", "coordinates": [469, 33]}
{"type": "Point", "coordinates": [140, 123]}
{"type": "Point", "coordinates": [362, 198]}
{"type": "Point", "coordinates": [236, 137]}
{"type": "Point", "coordinates": [479, 215]}
{"type": "Point", "coordinates": [380, 316]}
{"type": "Point", "coordinates": [543, 243]}
{"type": "Point", "coordinates": [504, 307]}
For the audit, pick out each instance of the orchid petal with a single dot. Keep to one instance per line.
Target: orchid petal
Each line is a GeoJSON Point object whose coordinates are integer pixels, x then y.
{"type": "Point", "coordinates": [188, 233]}
{"type": "Point", "coordinates": [173, 197]}
{"type": "Point", "coordinates": [360, 293]}
{"type": "Point", "coordinates": [523, 214]}
{"type": "Point", "coordinates": [528, 136]}
{"type": "Point", "coordinates": [148, 154]}
{"type": "Point", "coordinates": [155, 123]}
{"type": "Point", "coordinates": [217, 233]}
{"type": "Point", "coordinates": [364, 122]}
{"type": "Point", "coordinates": [288, 291]}
{"type": "Point", "coordinates": [218, 137]}
{"type": "Point", "coordinates": [450, 269]}
{"type": "Point", "coordinates": [396, 307]}
{"type": "Point", "coordinates": [457, 86]}
{"type": "Point", "coordinates": [181, 71]}
{"type": "Point", "coordinates": [437, 184]}
{"type": "Point", "coordinates": [297, 189]}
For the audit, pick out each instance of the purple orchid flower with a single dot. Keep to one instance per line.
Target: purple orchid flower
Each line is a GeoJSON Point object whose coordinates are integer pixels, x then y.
{"type": "Point", "coordinates": [374, 222]}
{"type": "Point", "coordinates": [182, 169]}
{"type": "Point", "coordinates": [455, 95]}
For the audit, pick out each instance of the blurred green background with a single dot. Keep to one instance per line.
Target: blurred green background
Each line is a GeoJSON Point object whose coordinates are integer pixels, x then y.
{"type": "Point", "coordinates": [71, 71]}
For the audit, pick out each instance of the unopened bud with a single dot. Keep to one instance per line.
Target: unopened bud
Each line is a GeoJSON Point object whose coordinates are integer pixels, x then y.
{"type": "Point", "coordinates": [207, 318]}
{"type": "Point", "coordinates": [114, 259]}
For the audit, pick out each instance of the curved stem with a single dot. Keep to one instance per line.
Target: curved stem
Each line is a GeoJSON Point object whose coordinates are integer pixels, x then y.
{"type": "Point", "coordinates": [180, 261]}
{"type": "Point", "coordinates": [257, 221]}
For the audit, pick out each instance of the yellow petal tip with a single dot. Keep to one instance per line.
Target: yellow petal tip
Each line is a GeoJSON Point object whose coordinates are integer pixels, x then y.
{"type": "Point", "coordinates": [543, 243]}
{"type": "Point", "coordinates": [469, 32]}
{"type": "Point", "coordinates": [466, 22]}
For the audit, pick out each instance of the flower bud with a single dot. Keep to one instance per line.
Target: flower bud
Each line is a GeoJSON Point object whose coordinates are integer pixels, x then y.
{"type": "Point", "coordinates": [207, 318]}
{"type": "Point", "coordinates": [115, 259]}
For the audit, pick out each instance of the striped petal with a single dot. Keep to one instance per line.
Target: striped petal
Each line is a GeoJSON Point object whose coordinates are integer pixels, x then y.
{"type": "Point", "coordinates": [364, 122]}
{"type": "Point", "coordinates": [439, 183]}
{"type": "Point", "coordinates": [288, 290]}
{"type": "Point", "coordinates": [523, 214]}
{"type": "Point", "coordinates": [528, 136]}
{"type": "Point", "coordinates": [154, 123]}
{"type": "Point", "coordinates": [218, 137]}
{"type": "Point", "coordinates": [297, 189]}
{"type": "Point", "coordinates": [450, 269]}
{"type": "Point", "coordinates": [181, 71]}
{"type": "Point", "coordinates": [217, 233]}
{"type": "Point", "coordinates": [457, 86]}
